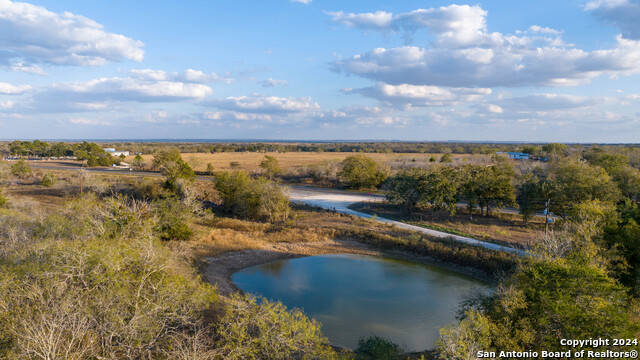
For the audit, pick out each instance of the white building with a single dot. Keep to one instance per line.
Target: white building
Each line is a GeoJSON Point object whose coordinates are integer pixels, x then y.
{"type": "Point", "coordinates": [113, 152]}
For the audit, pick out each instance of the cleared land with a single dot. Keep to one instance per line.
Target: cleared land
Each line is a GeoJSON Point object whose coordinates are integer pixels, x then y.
{"type": "Point", "coordinates": [250, 161]}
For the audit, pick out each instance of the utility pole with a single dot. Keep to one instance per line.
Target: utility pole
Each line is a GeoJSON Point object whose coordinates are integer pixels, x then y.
{"type": "Point", "coordinates": [546, 219]}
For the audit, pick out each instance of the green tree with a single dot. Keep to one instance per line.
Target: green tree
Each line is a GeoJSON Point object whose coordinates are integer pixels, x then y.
{"type": "Point", "coordinates": [210, 169]}
{"type": "Point", "coordinates": [377, 348]}
{"type": "Point", "coordinates": [138, 162]}
{"type": "Point", "coordinates": [165, 156]}
{"type": "Point", "coordinates": [442, 189]}
{"type": "Point", "coordinates": [573, 182]}
{"type": "Point", "coordinates": [407, 188]}
{"type": "Point", "coordinates": [172, 219]}
{"type": "Point", "coordinates": [531, 194]}
{"type": "Point", "coordinates": [555, 149]}
{"type": "Point", "coordinates": [445, 158]}
{"type": "Point", "coordinates": [253, 331]}
{"type": "Point", "coordinates": [173, 171]}
{"type": "Point", "coordinates": [622, 235]}
{"type": "Point", "coordinates": [258, 199]}
{"type": "Point", "coordinates": [48, 180]}
{"type": "Point", "coordinates": [270, 166]}
{"type": "Point", "coordinates": [21, 169]}
{"type": "Point", "coordinates": [359, 171]}
{"type": "Point", "coordinates": [93, 154]}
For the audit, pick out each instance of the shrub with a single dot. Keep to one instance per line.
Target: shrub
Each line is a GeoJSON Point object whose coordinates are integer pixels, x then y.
{"type": "Point", "coordinates": [377, 348]}
{"type": "Point", "coordinates": [48, 180]}
{"type": "Point", "coordinates": [270, 166]}
{"type": "Point", "coordinates": [3, 199]}
{"type": "Point", "coordinates": [172, 220]}
{"type": "Point", "coordinates": [249, 330]}
{"type": "Point", "coordinates": [258, 199]}
{"type": "Point", "coordinates": [359, 171]}
{"type": "Point", "coordinates": [21, 169]}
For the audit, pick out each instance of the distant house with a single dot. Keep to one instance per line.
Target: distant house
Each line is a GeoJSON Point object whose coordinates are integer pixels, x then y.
{"type": "Point", "coordinates": [517, 155]}
{"type": "Point", "coordinates": [113, 152]}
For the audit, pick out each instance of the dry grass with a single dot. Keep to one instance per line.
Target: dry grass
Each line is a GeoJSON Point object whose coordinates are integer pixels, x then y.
{"type": "Point", "coordinates": [250, 161]}
{"type": "Point", "coordinates": [225, 234]}
{"type": "Point", "coordinates": [501, 228]}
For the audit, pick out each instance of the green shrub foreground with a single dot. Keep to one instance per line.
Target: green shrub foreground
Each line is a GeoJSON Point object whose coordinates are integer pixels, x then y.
{"type": "Point", "coordinates": [92, 280]}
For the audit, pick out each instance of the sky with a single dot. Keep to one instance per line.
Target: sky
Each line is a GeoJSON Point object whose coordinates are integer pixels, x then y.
{"type": "Point", "coordinates": [539, 71]}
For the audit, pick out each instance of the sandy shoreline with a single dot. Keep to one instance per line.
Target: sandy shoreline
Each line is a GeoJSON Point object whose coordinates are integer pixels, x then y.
{"type": "Point", "coordinates": [217, 270]}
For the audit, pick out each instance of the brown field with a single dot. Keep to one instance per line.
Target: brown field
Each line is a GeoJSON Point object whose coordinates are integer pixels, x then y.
{"type": "Point", "coordinates": [250, 161]}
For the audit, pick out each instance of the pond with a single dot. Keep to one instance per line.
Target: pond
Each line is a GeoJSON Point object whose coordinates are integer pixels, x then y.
{"type": "Point", "coordinates": [356, 296]}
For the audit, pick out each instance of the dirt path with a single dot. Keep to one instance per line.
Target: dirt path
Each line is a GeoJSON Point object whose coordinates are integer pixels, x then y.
{"type": "Point", "coordinates": [340, 202]}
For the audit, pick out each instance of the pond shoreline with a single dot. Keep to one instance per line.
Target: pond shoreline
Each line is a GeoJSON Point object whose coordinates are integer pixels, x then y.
{"type": "Point", "coordinates": [217, 270]}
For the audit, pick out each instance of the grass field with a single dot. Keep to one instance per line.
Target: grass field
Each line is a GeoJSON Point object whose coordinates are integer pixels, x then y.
{"type": "Point", "coordinates": [501, 228]}
{"type": "Point", "coordinates": [250, 161]}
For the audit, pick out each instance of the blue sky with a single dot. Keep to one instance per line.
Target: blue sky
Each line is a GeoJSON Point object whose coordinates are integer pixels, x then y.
{"type": "Point", "coordinates": [317, 69]}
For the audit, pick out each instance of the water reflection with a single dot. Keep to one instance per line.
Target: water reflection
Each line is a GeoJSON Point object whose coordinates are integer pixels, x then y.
{"type": "Point", "coordinates": [356, 296]}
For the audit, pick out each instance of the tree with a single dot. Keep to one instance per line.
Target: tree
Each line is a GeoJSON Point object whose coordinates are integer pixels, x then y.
{"type": "Point", "coordinates": [622, 235]}
{"type": "Point", "coordinates": [573, 182]}
{"type": "Point", "coordinates": [407, 188]}
{"type": "Point", "coordinates": [258, 199]}
{"type": "Point", "coordinates": [530, 149]}
{"type": "Point", "coordinates": [486, 186]}
{"type": "Point", "coordinates": [166, 156]}
{"type": "Point", "coordinates": [21, 169]}
{"type": "Point", "coordinates": [377, 348]}
{"type": "Point", "coordinates": [270, 166]}
{"type": "Point", "coordinates": [442, 188]}
{"type": "Point", "coordinates": [210, 169]}
{"type": "Point", "coordinates": [359, 171]}
{"type": "Point", "coordinates": [550, 296]}
{"type": "Point", "coordinates": [93, 154]}
{"type": "Point", "coordinates": [446, 158]}
{"type": "Point", "coordinates": [138, 162]}
{"type": "Point", "coordinates": [555, 149]}
{"type": "Point", "coordinates": [530, 195]}
{"type": "Point", "coordinates": [266, 330]}
{"type": "Point", "coordinates": [496, 187]}
{"type": "Point", "coordinates": [48, 180]}
{"type": "Point", "coordinates": [173, 171]}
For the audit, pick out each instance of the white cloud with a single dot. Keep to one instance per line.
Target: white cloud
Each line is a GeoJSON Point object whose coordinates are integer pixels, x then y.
{"type": "Point", "coordinates": [29, 69]}
{"type": "Point", "coordinates": [274, 83]}
{"type": "Point", "coordinates": [4, 105]}
{"type": "Point", "coordinates": [306, 2]}
{"type": "Point", "coordinates": [455, 24]}
{"type": "Point", "coordinates": [408, 96]}
{"type": "Point", "coordinates": [266, 104]}
{"type": "Point", "coordinates": [9, 89]}
{"type": "Point", "coordinates": [107, 93]}
{"type": "Point", "coordinates": [465, 54]}
{"type": "Point", "coordinates": [188, 76]}
{"type": "Point", "coordinates": [623, 14]}
{"type": "Point", "coordinates": [88, 121]}
{"type": "Point", "coordinates": [32, 34]}
{"type": "Point", "coordinates": [536, 29]}
{"type": "Point", "coordinates": [380, 20]}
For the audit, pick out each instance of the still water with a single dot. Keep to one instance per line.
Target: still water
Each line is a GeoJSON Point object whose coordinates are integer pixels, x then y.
{"type": "Point", "coordinates": [356, 296]}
